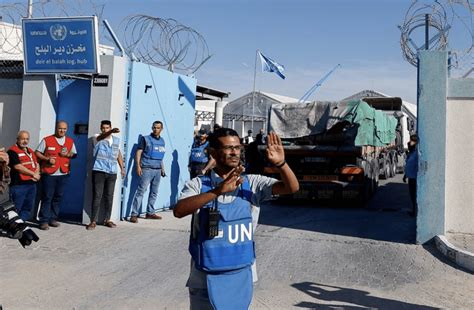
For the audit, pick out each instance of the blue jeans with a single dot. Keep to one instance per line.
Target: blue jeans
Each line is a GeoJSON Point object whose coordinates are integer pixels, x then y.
{"type": "Point", "coordinates": [152, 176]}
{"type": "Point", "coordinates": [23, 196]}
{"type": "Point", "coordinates": [52, 194]}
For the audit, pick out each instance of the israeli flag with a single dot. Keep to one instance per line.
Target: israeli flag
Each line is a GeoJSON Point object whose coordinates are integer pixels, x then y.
{"type": "Point", "coordinates": [270, 65]}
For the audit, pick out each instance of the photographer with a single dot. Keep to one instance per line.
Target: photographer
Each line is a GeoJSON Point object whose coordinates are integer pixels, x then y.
{"type": "Point", "coordinates": [4, 175]}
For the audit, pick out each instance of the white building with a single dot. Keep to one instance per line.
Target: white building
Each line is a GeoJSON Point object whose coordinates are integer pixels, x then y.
{"type": "Point", "coordinates": [250, 112]}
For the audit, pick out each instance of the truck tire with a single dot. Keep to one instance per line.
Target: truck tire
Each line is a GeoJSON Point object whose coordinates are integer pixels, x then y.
{"type": "Point", "coordinates": [374, 176]}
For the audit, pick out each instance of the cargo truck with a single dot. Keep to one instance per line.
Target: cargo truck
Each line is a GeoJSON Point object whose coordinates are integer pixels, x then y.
{"type": "Point", "coordinates": [338, 150]}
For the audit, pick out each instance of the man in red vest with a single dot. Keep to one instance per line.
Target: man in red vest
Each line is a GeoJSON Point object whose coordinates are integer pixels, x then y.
{"type": "Point", "coordinates": [24, 175]}
{"type": "Point", "coordinates": [55, 152]}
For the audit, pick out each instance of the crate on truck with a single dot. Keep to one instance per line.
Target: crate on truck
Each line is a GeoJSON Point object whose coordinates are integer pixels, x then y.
{"type": "Point", "coordinates": [336, 148]}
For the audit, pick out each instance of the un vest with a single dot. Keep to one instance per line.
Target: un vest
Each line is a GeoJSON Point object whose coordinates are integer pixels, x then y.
{"type": "Point", "coordinates": [28, 160]}
{"type": "Point", "coordinates": [153, 153]}
{"type": "Point", "coordinates": [198, 154]}
{"type": "Point", "coordinates": [52, 149]}
{"type": "Point", "coordinates": [233, 248]}
{"type": "Point", "coordinates": [105, 156]}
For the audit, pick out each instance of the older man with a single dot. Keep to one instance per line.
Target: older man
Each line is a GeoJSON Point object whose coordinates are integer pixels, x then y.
{"type": "Point", "coordinates": [25, 173]}
{"type": "Point", "coordinates": [55, 152]}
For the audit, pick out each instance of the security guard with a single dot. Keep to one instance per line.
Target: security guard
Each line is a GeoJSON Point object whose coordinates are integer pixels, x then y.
{"type": "Point", "coordinates": [150, 168]}
{"type": "Point", "coordinates": [199, 161]}
{"type": "Point", "coordinates": [222, 204]}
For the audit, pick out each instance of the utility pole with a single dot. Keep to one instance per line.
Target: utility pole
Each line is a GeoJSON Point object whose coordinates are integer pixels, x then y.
{"type": "Point", "coordinates": [30, 8]}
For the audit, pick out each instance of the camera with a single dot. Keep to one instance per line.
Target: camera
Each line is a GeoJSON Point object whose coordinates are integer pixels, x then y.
{"type": "Point", "coordinates": [14, 227]}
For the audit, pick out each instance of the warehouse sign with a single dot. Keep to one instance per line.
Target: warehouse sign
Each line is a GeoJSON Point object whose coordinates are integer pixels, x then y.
{"type": "Point", "coordinates": [61, 45]}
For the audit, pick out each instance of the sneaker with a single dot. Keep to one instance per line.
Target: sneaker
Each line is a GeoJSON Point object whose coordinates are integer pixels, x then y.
{"type": "Point", "coordinates": [110, 224]}
{"type": "Point", "coordinates": [153, 217]}
{"type": "Point", "coordinates": [54, 224]}
{"type": "Point", "coordinates": [134, 219]}
{"type": "Point", "coordinates": [44, 226]}
{"type": "Point", "coordinates": [91, 226]}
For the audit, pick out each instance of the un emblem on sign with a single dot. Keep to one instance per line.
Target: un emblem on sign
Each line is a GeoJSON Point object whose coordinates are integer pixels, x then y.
{"type": "Point", "coordinates": [58, 32]}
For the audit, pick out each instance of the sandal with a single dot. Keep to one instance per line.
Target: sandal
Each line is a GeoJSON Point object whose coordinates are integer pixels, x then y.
{"type": "Point", "coordinates": [110, 224]}
{"type": "Point", "coordinates": [91, 226]}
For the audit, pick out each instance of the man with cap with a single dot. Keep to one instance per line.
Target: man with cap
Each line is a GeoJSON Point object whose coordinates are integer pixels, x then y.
{"type": "Point", "coordinates": [200, 162]}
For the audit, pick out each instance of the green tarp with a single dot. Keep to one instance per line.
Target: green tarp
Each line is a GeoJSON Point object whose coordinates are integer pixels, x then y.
{"type": "Point", "coordinates": [296, 120]}
{"type": "Point", "coordinates": [374, 127]}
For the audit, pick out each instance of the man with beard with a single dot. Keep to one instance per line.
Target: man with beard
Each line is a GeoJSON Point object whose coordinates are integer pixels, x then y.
{"type": "Point", "coordinates": [224, 205]}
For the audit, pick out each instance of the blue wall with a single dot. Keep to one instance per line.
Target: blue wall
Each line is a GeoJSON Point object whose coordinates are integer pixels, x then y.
{"type": "Point", "coordinates": [73, 107]}
{"type": "Point", "coordinates": [432, 93]}
{"type": "Point", "coordinates": [171, 99]}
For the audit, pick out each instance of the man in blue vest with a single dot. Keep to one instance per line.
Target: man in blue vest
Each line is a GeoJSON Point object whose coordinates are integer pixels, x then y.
{"type": "Point", "coordinates": [150, 169]}
{"type": "Point", "coordinates": [224, 205]}
{"type": "Point", "coordinates": [104, 173]}
{"type": "Point", "coordinates": [199, 160]}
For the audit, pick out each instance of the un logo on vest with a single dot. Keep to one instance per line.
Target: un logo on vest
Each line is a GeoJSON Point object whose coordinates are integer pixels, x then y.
{"type": "Point", "coordinates": [58, 32]}
{"type": "Point", "coordinates": [239, 230]}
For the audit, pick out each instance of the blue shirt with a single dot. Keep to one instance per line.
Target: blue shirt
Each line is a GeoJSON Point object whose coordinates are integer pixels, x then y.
{"type": "Point", "coordinates": [411, 166]}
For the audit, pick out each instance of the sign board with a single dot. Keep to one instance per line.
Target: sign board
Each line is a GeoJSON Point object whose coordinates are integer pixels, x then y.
{"type": "Point", "coordinates": [61, 45]}
{"type": "Point", "coordinates": [100, 80]}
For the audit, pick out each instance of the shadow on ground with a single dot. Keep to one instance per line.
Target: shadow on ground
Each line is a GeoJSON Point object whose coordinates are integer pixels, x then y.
{"type": "Point", "coordinates": [385, 217]}
{"type": "Point", "coordinates": [339, 297]}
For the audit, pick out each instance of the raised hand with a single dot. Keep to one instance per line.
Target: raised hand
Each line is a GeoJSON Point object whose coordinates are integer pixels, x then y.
{"type": "Point", "coordinates": [275, 151]}
{"type": "Point", "coordinates": [232, 181]}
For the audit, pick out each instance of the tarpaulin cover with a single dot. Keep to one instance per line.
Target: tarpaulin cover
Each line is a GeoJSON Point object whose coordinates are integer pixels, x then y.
{"type": "Point", "coordinates": [296, 120]}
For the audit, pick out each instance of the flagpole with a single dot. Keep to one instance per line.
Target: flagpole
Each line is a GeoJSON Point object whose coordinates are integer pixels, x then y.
{"type": "Point", "coordinates": [253, 93]}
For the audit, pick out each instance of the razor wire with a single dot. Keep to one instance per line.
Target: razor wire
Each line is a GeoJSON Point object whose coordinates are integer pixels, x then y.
{"type": "Point", "coordinates": [164, 42]}
{"type": "Point", "coordinates": [446, 18]}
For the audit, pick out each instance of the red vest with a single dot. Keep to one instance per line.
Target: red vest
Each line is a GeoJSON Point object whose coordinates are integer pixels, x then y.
{"type": "Point", "coordinates": [52, 149]}
{"type": "Point", "coordinates": [28, 161]}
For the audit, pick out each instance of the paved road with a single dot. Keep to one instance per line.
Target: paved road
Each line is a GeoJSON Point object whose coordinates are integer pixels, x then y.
{"type": "Point", "coordinates": [308, 258]}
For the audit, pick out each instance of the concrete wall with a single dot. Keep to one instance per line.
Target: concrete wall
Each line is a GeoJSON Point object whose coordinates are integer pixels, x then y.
{"type": "Point", "coordinates": [107, 103]}
{"type": "Point", "coordinates": [460, 156]}
{"type": "Point", "coordinates": [446, 149]}
{"type": "Point", "coordinates": [432, 93]}
{"type": "Point", "coordinates": [10, 109]}
{"type": "Point", "coordinates": [38, 106]}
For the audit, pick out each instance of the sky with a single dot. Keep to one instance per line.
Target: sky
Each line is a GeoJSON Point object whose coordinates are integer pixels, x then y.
{"type": "Point", "coordinates": [308, 37]}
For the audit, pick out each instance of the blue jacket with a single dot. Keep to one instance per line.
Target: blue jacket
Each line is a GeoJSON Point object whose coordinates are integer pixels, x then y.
{"type": "Point", "coordinates": [233, 248]}
{"type": "Point", "coordinates": [198, 153]}
{"type": "Point", "coordinates": [153, 152]}
{"type": "Point", "coordinates": [105, 156]}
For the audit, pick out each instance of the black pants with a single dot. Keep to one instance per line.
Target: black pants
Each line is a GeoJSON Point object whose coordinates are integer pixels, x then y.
{"type": "Point", "coordinates": [412, 190]}
{"type": "Point", "coordinates": [103, 185]}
